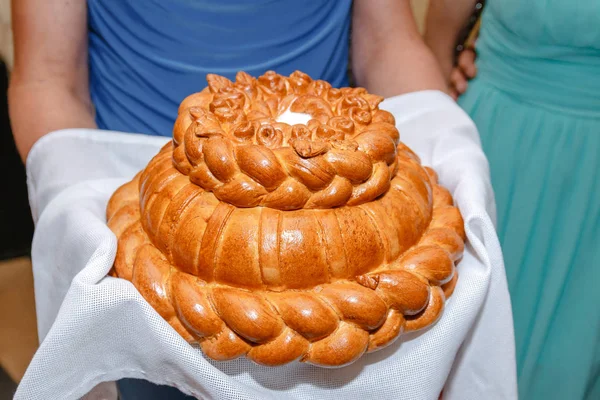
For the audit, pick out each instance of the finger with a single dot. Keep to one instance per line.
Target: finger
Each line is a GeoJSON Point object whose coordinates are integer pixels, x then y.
{"type": "Point", "coordinates": [466, 62]}
{"type": "Point", "coordinates": [458, 80]}
{"type": "Point", "coordinates": [453, 94]}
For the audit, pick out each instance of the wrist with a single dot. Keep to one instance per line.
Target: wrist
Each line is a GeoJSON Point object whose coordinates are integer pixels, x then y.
{"type": "Point", "coordinates": [443, 50]}
{"type": "Point", "coordinates": [39, 108]}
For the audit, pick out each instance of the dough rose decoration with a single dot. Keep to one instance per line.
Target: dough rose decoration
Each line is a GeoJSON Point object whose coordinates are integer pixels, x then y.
{"type": "Point", "coordinates": [315, 242]}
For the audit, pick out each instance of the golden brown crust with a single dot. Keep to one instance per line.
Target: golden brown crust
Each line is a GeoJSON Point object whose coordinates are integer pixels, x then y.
{"type": "Point", "coordinates": [228, 141]}
{"type": "Point", "coordinates": [313, 243]}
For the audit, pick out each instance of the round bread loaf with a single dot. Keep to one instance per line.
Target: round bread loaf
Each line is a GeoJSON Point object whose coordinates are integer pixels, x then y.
{"type": "Point", "coordinates": [315, 242]}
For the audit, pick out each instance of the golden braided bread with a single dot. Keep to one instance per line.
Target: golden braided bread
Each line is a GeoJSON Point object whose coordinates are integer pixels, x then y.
{"type": "Point", "coordinates": [312, 242]}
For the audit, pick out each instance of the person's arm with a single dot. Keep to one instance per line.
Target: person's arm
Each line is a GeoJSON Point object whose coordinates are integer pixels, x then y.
{"type": "Point", "coordinates": [389, 56]}
{"type": "Point", "coordinates": [49, 88]}
{"type": "Point", "coordinates": [445, 21]}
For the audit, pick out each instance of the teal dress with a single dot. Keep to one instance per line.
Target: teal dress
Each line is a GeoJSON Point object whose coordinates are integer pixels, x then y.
{"type": "Point", "coordinates": [536, 103]}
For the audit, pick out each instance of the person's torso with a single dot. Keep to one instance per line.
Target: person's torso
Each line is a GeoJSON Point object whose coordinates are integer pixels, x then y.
{"type": "Point", "coordinates": [545, 51]}
{"type": "Point", "coordinates": [147, 56]}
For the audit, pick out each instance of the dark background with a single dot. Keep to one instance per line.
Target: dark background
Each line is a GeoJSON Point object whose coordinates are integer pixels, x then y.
{"type": "Point", "coordinates": [16, 227]}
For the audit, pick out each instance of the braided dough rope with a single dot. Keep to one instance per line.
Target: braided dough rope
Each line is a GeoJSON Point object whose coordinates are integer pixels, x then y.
{"type": "Point", "coordinates": [314, 242]}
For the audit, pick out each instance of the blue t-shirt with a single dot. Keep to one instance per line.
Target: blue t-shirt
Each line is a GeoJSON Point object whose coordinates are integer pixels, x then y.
{"type": "Point", "coordinates": [146, 56]}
